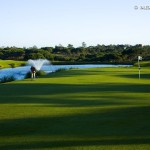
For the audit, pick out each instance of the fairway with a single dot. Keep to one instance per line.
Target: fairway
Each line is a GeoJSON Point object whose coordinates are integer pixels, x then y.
{"type": "Point", "coordinates": [78, 109]}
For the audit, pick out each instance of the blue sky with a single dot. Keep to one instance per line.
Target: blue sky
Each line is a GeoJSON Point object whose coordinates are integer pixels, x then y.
{"type": "Point", "coordinates": [25, 23]}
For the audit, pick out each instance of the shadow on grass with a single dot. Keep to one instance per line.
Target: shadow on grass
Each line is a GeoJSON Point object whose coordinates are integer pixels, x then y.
{"type": "Point", "coordinates": [136, 76]}
{"type": "Point", "coordinates": [83, 72]}
{"type": "Point", "coordinates": [72, 144]}
{"type": "Point", "coordinates": [59, 93]}
{"type": "Point", "coordinates": [111, 127]}
{"type": "Point", "coordinates": [73, 72]}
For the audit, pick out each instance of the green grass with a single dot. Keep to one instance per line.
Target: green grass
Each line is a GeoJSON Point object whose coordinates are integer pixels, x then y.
{"type": "Point", "coordinates": [79, 109]}
{"type": "Point", "coordinates": [9, 63]}
{"type": "Point", "coordinates": [143, 64]}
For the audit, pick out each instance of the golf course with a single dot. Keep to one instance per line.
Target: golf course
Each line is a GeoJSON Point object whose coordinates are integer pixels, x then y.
{"type": "Point", "coordinates": [77, 109]}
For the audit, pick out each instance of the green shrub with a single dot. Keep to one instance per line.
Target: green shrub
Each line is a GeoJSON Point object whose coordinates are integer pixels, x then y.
{"type": "Point", "coordinates": [28, 75]}
{"type": "Point", "coordinates": [38, 74]}
{"type": "Point", "coordinates": [12, 65]}
{"type": "Point", "coordinates": [22, 64]}
{"type": "Point", "coordinates": [61, 69]}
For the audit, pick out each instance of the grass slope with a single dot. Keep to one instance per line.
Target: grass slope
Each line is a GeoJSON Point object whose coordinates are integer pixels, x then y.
{"type": "Point", "coordinates": [8, 63]}
{"type": "Point", "coordinates": [80, 109]}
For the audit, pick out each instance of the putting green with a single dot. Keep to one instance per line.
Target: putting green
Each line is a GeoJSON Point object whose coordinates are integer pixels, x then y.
{"type": "Point", "coordinates": [79, 109]}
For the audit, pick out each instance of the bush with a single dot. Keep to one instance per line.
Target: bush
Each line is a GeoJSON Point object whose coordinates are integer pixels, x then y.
{"type": "Point", "coordinates": [7, 79]}
{"type": "Point", "coordinates": [61, 69]}
{"type": "Point", "coordinates": [23, 64]}
{"type": "Point", "coordinates": [28, 75]}
{"type": "Point", "coordinates": [38, 74]}
{"type": "Point", "coordinates": [12, 65]}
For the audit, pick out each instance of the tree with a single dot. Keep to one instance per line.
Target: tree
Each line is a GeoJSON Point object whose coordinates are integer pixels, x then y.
{"type": "Point", "coordinates": [70, 46]}
{"type": "Point", "coordinates": [83, 44]}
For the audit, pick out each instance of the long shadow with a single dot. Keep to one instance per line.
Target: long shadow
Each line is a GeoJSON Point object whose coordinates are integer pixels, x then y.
{"type": "Point", "coordinates": [136, 76]}
{"type": "Point", "coordinates": [80, 72]}
{"type": "Point", "coordinates": [111, 127]}
{"type": "Point", "coordinates": [74, 72]}
{"type": "Point", "coordinates": [128, 126]}
{"type": "Point", "coordinates": [72, 144]}
{"type": "Point", "coordinates": [28, 93]}
{"type": "Point", "coordinates": [83, 72]}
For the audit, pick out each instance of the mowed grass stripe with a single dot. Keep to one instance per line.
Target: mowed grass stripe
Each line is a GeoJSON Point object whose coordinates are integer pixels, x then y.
{"type": "Point", "coordinates": [101, 108]}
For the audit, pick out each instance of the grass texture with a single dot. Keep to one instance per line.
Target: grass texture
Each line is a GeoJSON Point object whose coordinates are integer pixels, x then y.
{"type": "Point", "coordinates": [79, 109]}
{"type": "Point", "coordinates": [11, 63]}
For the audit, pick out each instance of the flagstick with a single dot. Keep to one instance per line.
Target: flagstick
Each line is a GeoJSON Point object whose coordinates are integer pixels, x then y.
{"type": "Point", "coordinates": [139, 69]}
{"type": "Point", "coordinates": [139, 73]}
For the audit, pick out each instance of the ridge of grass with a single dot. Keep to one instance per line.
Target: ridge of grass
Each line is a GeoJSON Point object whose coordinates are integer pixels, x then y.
{"type": "Point", "coordinates": [11, 63]}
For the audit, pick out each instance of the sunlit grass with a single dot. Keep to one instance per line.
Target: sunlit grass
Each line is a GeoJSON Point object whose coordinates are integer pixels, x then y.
{"type": "Point", "coordinates": [10, 63]}
{"type": "Point", "coordinates": [80, 109]}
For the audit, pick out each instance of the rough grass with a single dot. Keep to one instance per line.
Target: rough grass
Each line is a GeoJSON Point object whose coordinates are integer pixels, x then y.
{"type": "Point", "coordinates": [80, 109]}
{"type": "Point", "coordinates": [11, 63]}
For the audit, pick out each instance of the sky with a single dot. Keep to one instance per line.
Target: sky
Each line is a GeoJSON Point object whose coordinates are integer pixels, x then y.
{"type": "Point", "coordinates": [25, 23]}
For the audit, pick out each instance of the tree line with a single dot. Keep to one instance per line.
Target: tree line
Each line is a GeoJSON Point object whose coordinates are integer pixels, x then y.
{"type": "Point", "coordinates": [97, 54]}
